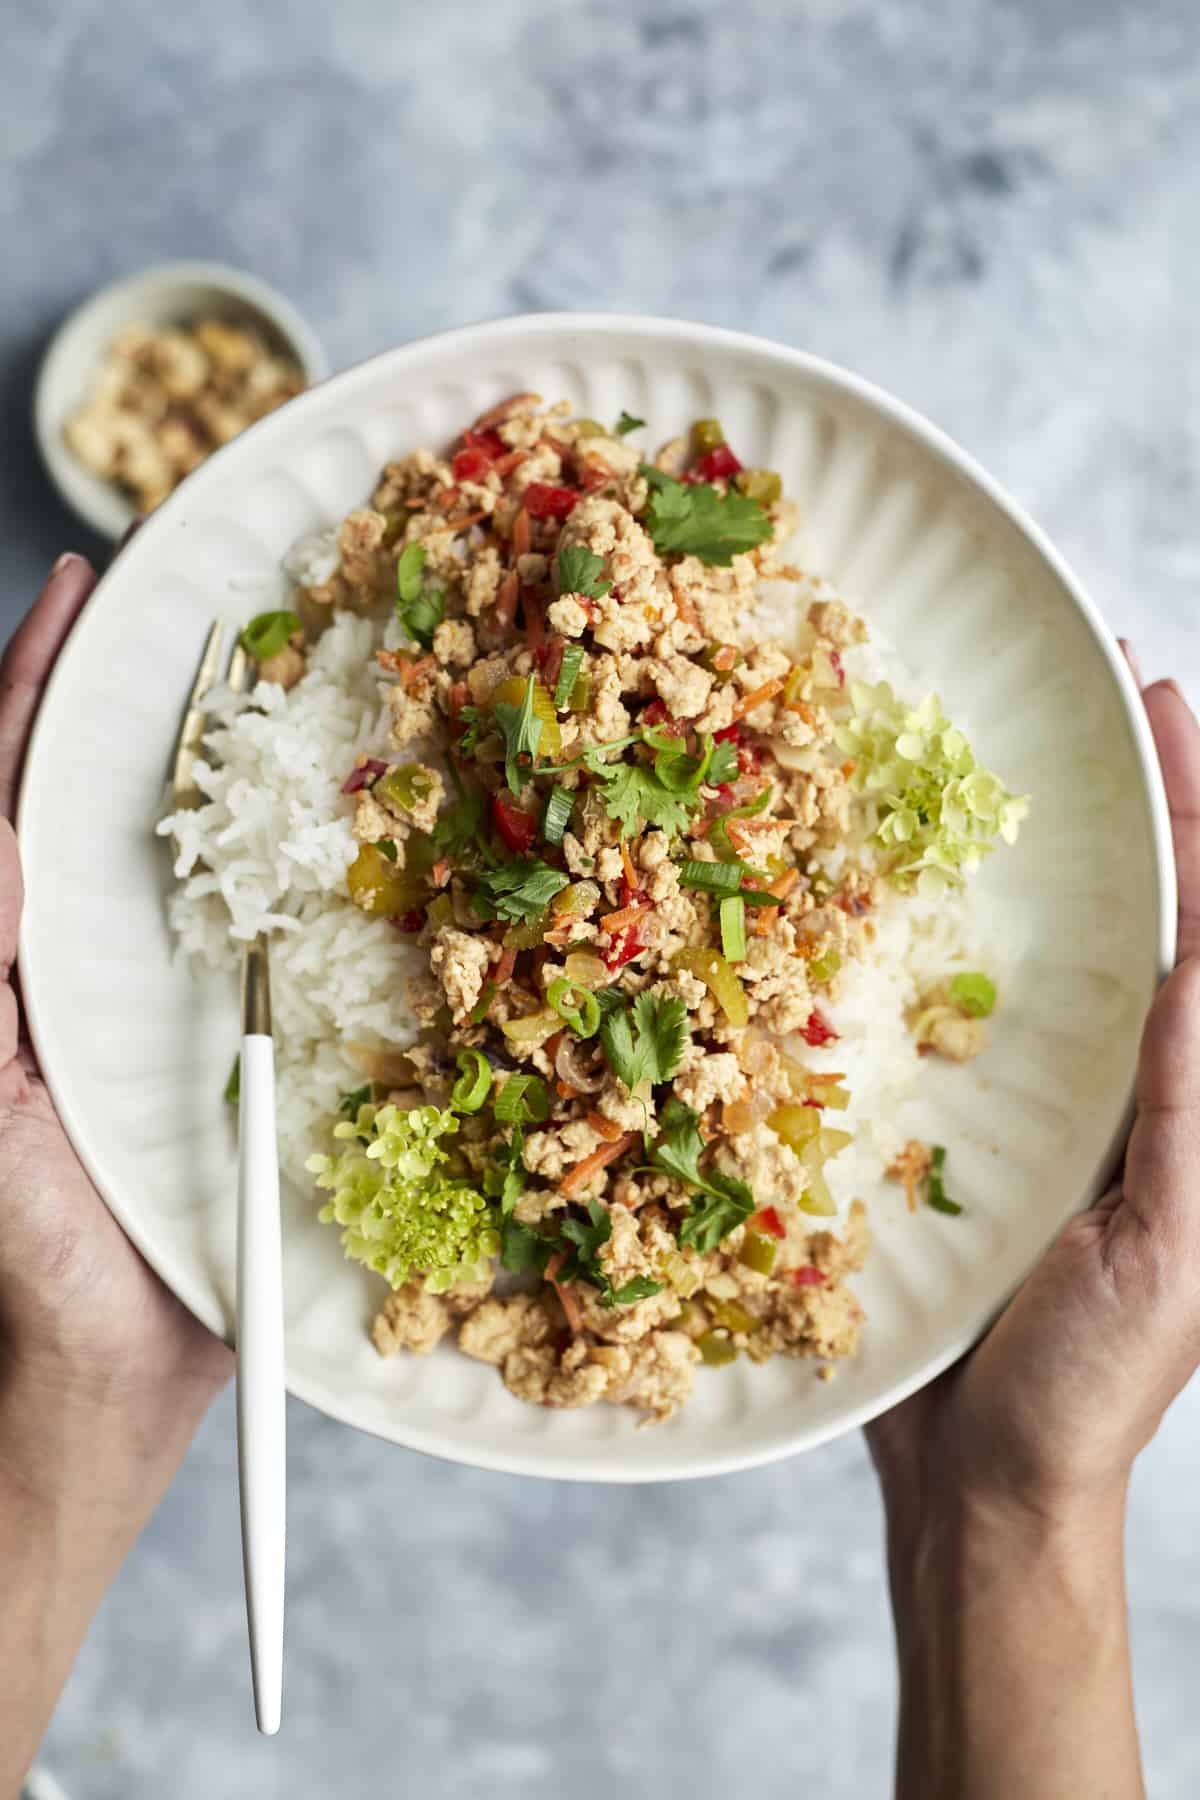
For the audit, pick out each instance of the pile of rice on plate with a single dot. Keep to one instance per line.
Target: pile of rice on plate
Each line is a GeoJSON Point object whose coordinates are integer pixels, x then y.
{"type": "Point", "coordinates": [614, 899]}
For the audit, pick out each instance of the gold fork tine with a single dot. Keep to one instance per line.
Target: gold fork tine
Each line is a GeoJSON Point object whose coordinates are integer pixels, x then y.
{"type": "Point", "coordinates": [184, 791]}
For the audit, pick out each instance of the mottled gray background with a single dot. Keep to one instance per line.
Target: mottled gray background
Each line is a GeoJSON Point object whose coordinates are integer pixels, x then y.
{"type": "Point", "coordinates": [990, 209]}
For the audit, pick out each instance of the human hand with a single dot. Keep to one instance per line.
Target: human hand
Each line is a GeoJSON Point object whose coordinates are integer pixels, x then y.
{"type": "Point", "coordinates": [101, 1369]}
{"type": "Point", "coordinates": [1049, 1412]}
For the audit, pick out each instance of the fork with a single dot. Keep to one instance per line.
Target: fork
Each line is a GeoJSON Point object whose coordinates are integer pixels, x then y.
{"type": "Point", "coordinates": [262, 1442]}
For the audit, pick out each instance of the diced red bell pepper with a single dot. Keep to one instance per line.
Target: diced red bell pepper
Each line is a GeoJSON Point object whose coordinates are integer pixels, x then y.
{"type": "Point", "coordinates": [542, 501]}
{"type": "Point", "coordinates": [364, 775]}
{"type": "Point", "coordinates": [625, 946]}
{"type": "Point", "coordinates": [808, 1276]}
{"type": "Point", "coordinates": [517, 827]}
{"type": "Point", "coordinates": [767, 1219]}
{"type": "Point", "coordinates": [490, 443]}
{"type": "Point", "coordinates": [838, 670]}
{"type": "Point", "coordinates": [656, 714]}
{"type": "Point", "coordinates": [724, 793]}
{"type": "Point", "coordinates": [469, 465]}
{"type": "Point", "coordinates": [716, 464]}
{"type": "Point", "coordinates": [410, 922]}
{"type": "Point", "coordinates": [818, 1030]}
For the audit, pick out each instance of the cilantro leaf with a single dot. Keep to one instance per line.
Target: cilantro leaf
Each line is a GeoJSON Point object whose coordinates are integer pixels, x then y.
{"type": "Point", "coordinates": [645, 1041]}
{"type": "Point", "coordinates": [698, 521]}
{"type": "Point", "coordinates": [522, 1249]}
{"type": "Point", "coordinates": [725, 1205]}
{"type": "Point", "coordinates": [641, 1287]}
{"type": "Point", "coordinates": [457, 830]}
{"type": "Point", "coordinates": [504, 1177]}
{"type": "Point", "coordinates": [520, 890]}
{"type": "Point", "coordinates": [723, 1201]}
{"type": "Point", "coordinates": [468, 743]}
{"type": "Point", "coordinates": [583, 1260]}
{"type": "Point", "coordinates": [627, 423]}
{"type": "Point", "coordinates": [350, 1103]}
{"type": "Point", "coordinates": [419, 609]}
{"type": "Point", "coordinates": [724, 764]}
{"type": "Point", "coordinates": [580, 571]}
{"type": "Point", "coordinates": [522, 732]}
{"type": "Point", "coordinates": [635, 796]}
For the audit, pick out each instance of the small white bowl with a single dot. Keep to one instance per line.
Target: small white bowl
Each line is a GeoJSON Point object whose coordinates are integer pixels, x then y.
{"type": "Point", "coordinates": [170, 295]}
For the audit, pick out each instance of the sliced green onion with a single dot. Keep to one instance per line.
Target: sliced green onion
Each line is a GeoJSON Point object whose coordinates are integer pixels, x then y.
{"type": "Point", "coordinates": [937, 1196]}
{"type": "Point", "coordinates": [557, 815]}
{"type": "Point", "coordinates": [718, 836]}
{"type": "Point", "coordinates": [717, 877]}
{"type": "Point", "coordinates": [974, 993]}
{"type": "Point", "coordinates": [474, 1082]}
{"type": "Point", "coordinates": [482, 1006]}
{"type": "Point", "coordinates": [576, 1006]}
{"type": "Point", "coordinates": [760, 897]}
{"type": "Point", "coordinates": [733, 928]}
{"type": "Point", "coordinates": [568, 674]}
{"type": "Point", "coordinates": [266, 635]}
{"type": "Point", "coordinates": [581, 694]}
{"type": "Point", "coordinates": [387, 848]}
{"type": "Point", "coordinates": [233, 1087]}
{"type": "Point", "coordinates": [523, 1099]}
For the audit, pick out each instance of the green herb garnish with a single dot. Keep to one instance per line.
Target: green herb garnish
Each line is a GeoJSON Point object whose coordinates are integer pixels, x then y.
{"type": "Point", "coordinates": [722, 1202]}
{"type": "Point", "coordinates": [419, 609]}
{"type": "Point", "coordinates": [266, 634]}
{"type": "Point", "coordinates": [522, 732]}
{"type": "Point", "coordinates": [518, 891]}
{"type": "Point", "coordinates": [937, 1195]}
{"type": "Point", "coordinates": [581, 571]}
{"type": "Point", "coordinates": [645, 1041]}
{"type": "Point", "coordinates": [698, 521]}
{"type": "Point", "coordinates": [627, 423]}
{"type": "Point", "coordinates": [233, 1087]}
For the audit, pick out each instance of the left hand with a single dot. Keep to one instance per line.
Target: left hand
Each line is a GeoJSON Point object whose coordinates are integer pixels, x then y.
{"type": "Point", "coordinates": [102, 1371]}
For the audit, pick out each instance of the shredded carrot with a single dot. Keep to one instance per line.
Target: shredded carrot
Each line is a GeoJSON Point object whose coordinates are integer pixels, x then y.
{"type": "Point", "coordinates": [802, 709]}
{"type": "Point", "coordinates": [504, 409]}
{"type": "Point", "coordinates": [557, 445]}
{"type": "Point", "coordinates": [582, 1173]}
{"type": "Point", "coordinates": [758, 697]}
{"type": "Point", "coordinates": [725, 658]}
{"type": "Point", "coordinates": [503, 967]}
{"type": "Point", "coordinates": [565, 1091]}
{"type": "Point", "coordinates": [608, 1129]}
{"type": "Point", "coordinates": [626, 916]}
{"type": "Point", "coordinates": [684, 607]}
{"type": "Point", "coordinates": [627, 865]}
{"type": "Point", "coordinates": [567, 1300]}
{"type": "Point", "coordinates": [446, 499]}
{"type": "Point", "coordinates": [457, 697]}
{"type": "Point", "coordinates": [504, 465]}
{"type": "Point", "coordinates": [535, 620]}
{"type": "Point", "coordinates": [848, 769]}
{"type": "Point", "coordinates": [506, 601]}
{"type": "Point", "coordinates": [441, 871]}
{"type": "Point", "coordinates": [522, 534]}
{"type": "Point", "coordinates": [396, 662]}
{"type": "Point", "coordinates": [460, 521]}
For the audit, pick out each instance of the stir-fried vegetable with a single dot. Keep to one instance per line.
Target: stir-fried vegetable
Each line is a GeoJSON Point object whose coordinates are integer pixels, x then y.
{"type": "Point", "coordinates": [576, 1007]}
{"type": "Point", "coordinates": [267, 633]}
{"type": "Point", "coordinates": [474, 1083]}
{"type": "Point", "coordinates": [713, 969]}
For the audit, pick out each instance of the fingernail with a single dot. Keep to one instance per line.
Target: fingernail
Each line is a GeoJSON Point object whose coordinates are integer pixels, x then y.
{"type": "Point", "coordinates": [65, 560]}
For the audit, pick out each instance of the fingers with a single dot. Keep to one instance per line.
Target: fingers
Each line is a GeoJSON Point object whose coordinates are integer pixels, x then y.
{"type": "Point", "coordinates": [1177, 736]}
{"type": "Point", "coordinates": [1130, 655]}
{"type": "Point", "coordinates": [27, 663]}
{"type": "Point", "coordinates": [1162, 1168]}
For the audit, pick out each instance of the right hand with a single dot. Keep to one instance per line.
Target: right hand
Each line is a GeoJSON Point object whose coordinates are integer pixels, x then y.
{"type": "Point", "coordinates": [1048, 1413]}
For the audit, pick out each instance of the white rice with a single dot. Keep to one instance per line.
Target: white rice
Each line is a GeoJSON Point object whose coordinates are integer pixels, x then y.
{"type": "Point", "coordinates": [270, 848]}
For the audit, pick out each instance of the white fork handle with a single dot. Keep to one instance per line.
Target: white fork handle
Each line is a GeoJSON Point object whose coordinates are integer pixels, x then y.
{"type": "Point", "coordinates": [262, 1441]}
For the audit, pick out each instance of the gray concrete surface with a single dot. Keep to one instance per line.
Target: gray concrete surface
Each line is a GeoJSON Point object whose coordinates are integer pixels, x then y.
{"type": "Point", "coordinates": [990, 209]}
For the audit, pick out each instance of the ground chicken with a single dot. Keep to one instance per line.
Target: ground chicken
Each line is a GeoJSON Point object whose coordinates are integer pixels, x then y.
{"type": "Point", "coordinates": [410, 1319]}
{"type": "Point", "coordinates": [661, 1374]}
{"type": "Point", "coordinates": [460, 961]}
{"type": "Point", "coordinates": [454, 643]}
{"type": "Point", "coordinates": [496, 1328]}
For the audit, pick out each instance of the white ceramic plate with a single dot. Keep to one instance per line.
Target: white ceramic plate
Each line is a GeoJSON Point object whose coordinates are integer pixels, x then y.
{"type": "Point", "coordinates": [137, 1052]}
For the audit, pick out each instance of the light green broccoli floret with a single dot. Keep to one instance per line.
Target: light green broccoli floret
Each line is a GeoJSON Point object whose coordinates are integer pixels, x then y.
{"type": "Point", "coordinates": [400, 1213]}
{"type": "Point", "coordinates": [935, 808]}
